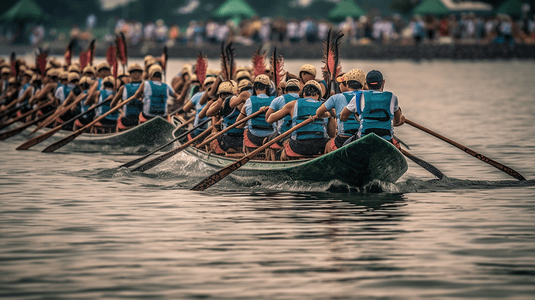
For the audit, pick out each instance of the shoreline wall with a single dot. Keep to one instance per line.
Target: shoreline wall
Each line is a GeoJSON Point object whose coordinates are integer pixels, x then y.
{"type": "Point", "coordinates": [314, 51]}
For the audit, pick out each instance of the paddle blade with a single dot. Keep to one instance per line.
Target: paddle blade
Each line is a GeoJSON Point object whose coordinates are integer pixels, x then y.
{"type": "Point", "coordinates": [64, 141]}
{"type": "Point", "coordinates": [216, 177]}
{"type": "Point", "coordinates": [19, 129]}
{"type": "Point", "coordinates": [38, 139]}
{"type": "Point", "coordinates": [422, 163]}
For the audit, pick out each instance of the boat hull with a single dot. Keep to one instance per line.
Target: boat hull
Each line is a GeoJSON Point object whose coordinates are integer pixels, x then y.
{"type": "Point", "coordinates": [367, 159]}
{"type": "Point", "coordinates": [137, 140]}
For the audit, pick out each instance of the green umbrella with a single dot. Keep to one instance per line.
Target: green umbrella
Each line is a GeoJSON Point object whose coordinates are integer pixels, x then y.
{"type": "Point", "coordinates": [23, 11]}
{"type": "Point", "coordinates": [510, 7]}
{"type": "Point", "coordinates": [431, 7]}
{"type": "Point", "coordinates": [234, 8]}
{"type": "Point", "coordinates": [346, 8]}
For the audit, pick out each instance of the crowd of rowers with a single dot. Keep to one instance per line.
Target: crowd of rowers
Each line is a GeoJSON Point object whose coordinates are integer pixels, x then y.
{"type": "Point", "coordinates": [361, 107]}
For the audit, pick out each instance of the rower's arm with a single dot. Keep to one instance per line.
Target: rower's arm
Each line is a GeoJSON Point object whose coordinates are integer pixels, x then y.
{"type": "Point", "coordinates": [399, 118]}
{"type": "Point", "coordinates": [269, 112]}
{"type": "Point", "coordinates": [286, 110]}
{"type": "Point", "coordinates": [214, 108]}
{"type": "Point", "coordinates": [331, 127]}
{"type": "Point", "coordinates": [242, 115]}
{"type": "Point", "coordinates": [202, 113]}
{"type": "Point", "coordinates": [344, 115]}
{"type": "Point", "coordinates": [242, 97]}
{"type": "Point", "coordinates": [188, 106]}
{"type": "Point", "coordinates": [320, 113]}
{"type": "Point", "coordinates": [117, 97]}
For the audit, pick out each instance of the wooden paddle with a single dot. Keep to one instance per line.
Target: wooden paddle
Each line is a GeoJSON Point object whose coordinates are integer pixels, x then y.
{"type": "Point", "coordinates": [475, 154]}
{"type": "Point", "coordinates": [207, 141]}
{"type": "Point", "coordinates": [59, 112]}
{"type": "Point", "coordinates": [158, 160]}
{"type": "Point", "coordinates": [217, 176]}
{"type": "Point", "coordinates": [422, 163]}
{"type": "Point", "coordinates": [135, 161]}
{"type": "Point", "coordinates": [24, 115]}
{"type": "Point", "coordinates": [19, 129]}
{"type": "Point", "coordinates": [38, 139]}
{"type": "Point", "coordinates": [9, 110]}
{"type": "Point", "coordinates": [64, 141]}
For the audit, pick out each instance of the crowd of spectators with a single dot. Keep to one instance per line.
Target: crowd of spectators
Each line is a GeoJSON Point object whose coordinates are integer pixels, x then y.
{"type": "Point", "coordinates": [466, 28]}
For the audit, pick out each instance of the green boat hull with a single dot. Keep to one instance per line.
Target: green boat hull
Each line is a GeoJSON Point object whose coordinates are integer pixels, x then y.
{"type": "Point", "coordinates": [367, 159]}
{"type": "Point", "coordinates": [137, 140]}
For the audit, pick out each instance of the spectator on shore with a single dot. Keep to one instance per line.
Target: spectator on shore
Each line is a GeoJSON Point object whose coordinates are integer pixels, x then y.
{"type": "Point", "coordinates": [278, 30]}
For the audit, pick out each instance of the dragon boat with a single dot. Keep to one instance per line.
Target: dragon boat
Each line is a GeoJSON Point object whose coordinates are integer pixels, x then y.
{"type": "Point", "coordinates": [367, 159]}
{"type": "Point", "coordinates": [137, 140]}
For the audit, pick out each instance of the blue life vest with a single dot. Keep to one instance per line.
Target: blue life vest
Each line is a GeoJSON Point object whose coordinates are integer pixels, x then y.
{"type": "Point", "coordinates": [287, 120]}
{"type": "Point", "coordinates": [229, 117]}
{"type": "Point", "coordinates": [156, 103]}
{"type": "Point", "coordinates": [106, 107]}
{"type": "Point", "coordinates": [304, 108]}
{"type": "Point", "coordinates": [198, 108]}
{"type": "Point", "coordinates": [134, 107]}
{"type": "Point", "coordinates": [84, 107]}
{"type": "Point", "coordinates": [66, 91]}
{"type": "Point", "coordinates": [21, 92]}
{"type": "Point", "coordinates": [258, 125]}
{"type": "Point", "coordinates": [376, 116]}
{"type": "Point", "coordinates": [351, 126]}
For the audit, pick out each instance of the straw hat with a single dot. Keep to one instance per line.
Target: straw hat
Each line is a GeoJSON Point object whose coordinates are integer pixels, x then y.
{"type": "Point", "coordinates": [74, 68]}
{"type": "Point", "coordinates": [63, 75]}
{"type": "Point", "coordinates": [89, 69]}
{"type": "Point", "coordinates": [73, 76]}
{"type": "Point", "coordinates": [244, 83]}
{"type": "Point", "coordinates": [353, 75]}
{"type": "Point", "coordinates": [226, 87]}
{"type": "Point", "coordinates": [135, 67]}
{"type": "Point", "coordinates": [103, 65]}
{"type": "Point", "coordinates": [209, 80]}
{"type": "Point", "coordinates": [263, 79]}
{"type": "Point", "coordinates": [293, 82]}
{"type": "Point", "coordinates": [315, 84]}
{"type": "Point", "coordinates": [109, 79]}
{"type": "Point", "coordinates": [309, 69]}
{"type": "Point", "coordinates": [154, 69]}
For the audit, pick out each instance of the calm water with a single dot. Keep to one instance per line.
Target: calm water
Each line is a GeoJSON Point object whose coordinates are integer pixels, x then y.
{"type": "Point", "coordinates": [74, 227]}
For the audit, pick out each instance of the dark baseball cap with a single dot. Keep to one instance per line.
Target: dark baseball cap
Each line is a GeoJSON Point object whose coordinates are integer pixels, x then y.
{"type": "Point", "coordinates": [374, 77]}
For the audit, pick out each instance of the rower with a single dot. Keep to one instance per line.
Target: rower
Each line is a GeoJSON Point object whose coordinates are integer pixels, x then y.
{"type": "Point", "coordinates": [155, 95]}
{"type": "Point", "coordinates": [67, 92]}
{"type": "Point", "coordinates": [232, 140]}
{"type": "Point", "coordinates": [377, 109]}
{"type": "Point", "coordinates": [85, 83]}
{"type": "Point", "coordinates": [4, 73]}
{"type": "Point", "coordinates": [51, 83]}
{"type": "Point", "coordinates": [194, 103]}
{"type": "Point", "coordinates": [257, 128]}
{"type": "Point", "coordinates": [124, 78]}
{"type": "Point", "coordinates": [130, 114]}
{"type": "Point", "coordinates": [308, 72]}
{"type": "Point", "coordinates": [243, 74]}
{"type": "Point", "coordinates": [351, 83]}
{"type": "Point", "coordinates": [310, 139]}
{"type": "Point", "coordinates": [89, 71]}
{"type": "Point", "coordinates": [292, 91]}
{"type": "Point", "coordinates": [109, 122]}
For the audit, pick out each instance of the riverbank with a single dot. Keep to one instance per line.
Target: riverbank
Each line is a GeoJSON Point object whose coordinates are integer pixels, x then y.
{"type": "Point", "coordinates": [314, 51]}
